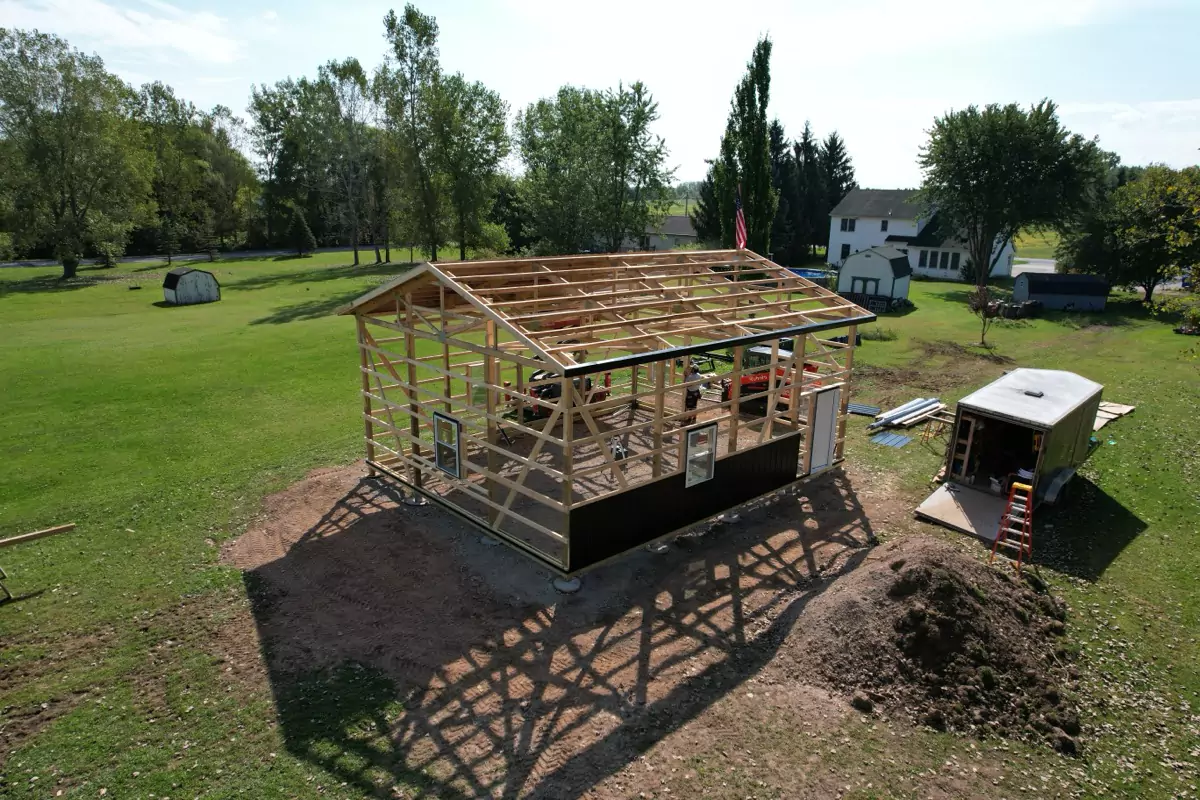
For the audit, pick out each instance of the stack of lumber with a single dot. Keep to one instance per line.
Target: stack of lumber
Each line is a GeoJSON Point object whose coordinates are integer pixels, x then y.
{"type": "Point", "coordinates": [909, 414]}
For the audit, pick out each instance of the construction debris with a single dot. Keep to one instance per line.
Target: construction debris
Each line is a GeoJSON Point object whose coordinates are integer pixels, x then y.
{"type": "Point", "coordinates": [909, 414]}
{"type": "Point", "coordinates": [863, 410]}
{"type": "Point", "coordinates": [1110, 411]}
{"type": "Point", "coordinates": [889, 439]}
{"type": "Point", "coordinates": [27, 537]}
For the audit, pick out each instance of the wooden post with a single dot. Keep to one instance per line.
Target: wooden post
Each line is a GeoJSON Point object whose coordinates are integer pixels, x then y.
{"type": "Point", "coordinates": [447, 383]}
{"type": "Point", "coordinates": [851, 337]}
{"type": "Point", "coordinates": [364, 365]}
{"type": "Point", "coordinates": [566, 402]}
{"type": "Point", "coordinates": [735, 397]}
{"type": "Point", "coordinates": [492, 379]}
{"type": "Point", "coordinates": [414, 403]}
{"type": "Point", "coordinates": [660, 399]}
{"type": "Point", "coordinates": [798, 374]}
{"type": "Point", "coordinates": [519, 398]}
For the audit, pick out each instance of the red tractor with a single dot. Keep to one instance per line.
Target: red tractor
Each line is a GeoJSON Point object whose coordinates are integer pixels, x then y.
{"type": "Point", "coordinates": [756, 375]}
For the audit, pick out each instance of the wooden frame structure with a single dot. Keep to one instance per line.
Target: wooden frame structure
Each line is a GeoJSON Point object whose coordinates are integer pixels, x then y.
{"type": "Point", "coordinates": [559, 387]}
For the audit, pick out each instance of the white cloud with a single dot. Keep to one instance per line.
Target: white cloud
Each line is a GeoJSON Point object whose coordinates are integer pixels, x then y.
{"type": "Point", "coordinates": [152, 27]}
{"type": "Point", "coordinates": [1159, 131]}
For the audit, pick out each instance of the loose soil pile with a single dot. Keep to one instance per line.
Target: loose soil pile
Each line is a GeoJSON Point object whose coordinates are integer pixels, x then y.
{"type": "Point", "coordinates": [955, 644]}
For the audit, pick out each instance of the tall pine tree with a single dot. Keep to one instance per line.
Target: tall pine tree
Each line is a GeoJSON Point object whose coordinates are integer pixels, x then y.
{"type": "Point", "coordinates": [837, 174]}
{"type": "Point", "coordinates": [746, 158]}
{"type": "Point", "coordinates": [706, 214]}
{"type": "Point", "coordinates": [811, 217]}
{"type": "Point", "coordinates": [783, 178]}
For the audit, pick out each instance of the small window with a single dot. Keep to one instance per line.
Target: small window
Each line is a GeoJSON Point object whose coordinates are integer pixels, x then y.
{"type": "Point", "coordinates": [924, 259]}
{"type": "Point", "coordinates": [845, 224]}
{"type": "Point", "coordinates": [851, 228]}
{"type": "Point", "coordinates": [945, 259]}
{"type": "Point", "coordinates": [883, 225]}
{"type": "Point", "coordinates": [954, 261]}
{"type": "Point", "coordinates": [845, 251]}
{"type": "Point", "coordinates": [701, 455]}
{"type": "Point", "coordinates": [447, 433]}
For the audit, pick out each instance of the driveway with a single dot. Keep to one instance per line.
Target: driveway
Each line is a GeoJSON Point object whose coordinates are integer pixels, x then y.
{"type": "Point", "coordinates": [1032, 265]}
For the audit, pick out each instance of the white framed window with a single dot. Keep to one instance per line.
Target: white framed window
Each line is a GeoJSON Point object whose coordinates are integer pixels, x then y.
{"type": "Point", "coordinates": [945, 259]}
{"type": "Point", "coordinates": [924, 260]}
{"type": "Point", "coordinates": [954, 261]}
{"type": "Point", "coordinates": [701, 457]}
{"type": "Point", "coordinates": [851, 228]}
{"type": "Point", "coordinates": [447, 444]}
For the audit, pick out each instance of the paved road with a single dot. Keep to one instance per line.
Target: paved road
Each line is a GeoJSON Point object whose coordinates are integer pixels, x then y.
{"type": "Point", "coordinates": [1033, 265]}
{"type": "Point", "coordinates": [49, 262]}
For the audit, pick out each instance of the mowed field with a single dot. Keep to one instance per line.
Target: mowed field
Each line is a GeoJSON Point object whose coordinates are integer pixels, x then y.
{"type": "Point", "coordinates": [123, 672]}
{"type": "Point", "coordinates": [1036, 245]}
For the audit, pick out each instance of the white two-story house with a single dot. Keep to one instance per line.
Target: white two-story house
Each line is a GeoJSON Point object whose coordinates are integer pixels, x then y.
{"type": "Point", "coordinates": [869, 218]}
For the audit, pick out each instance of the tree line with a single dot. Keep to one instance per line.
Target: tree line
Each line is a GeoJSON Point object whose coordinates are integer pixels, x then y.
{"type": "Point", "coordinates": [408, 154]}
{"type": "Point", "coordinates": [788, 188]}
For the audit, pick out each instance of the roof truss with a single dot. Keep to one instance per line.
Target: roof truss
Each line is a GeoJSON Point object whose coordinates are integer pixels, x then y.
{"type": "Point", "coordinates": [583, 313]}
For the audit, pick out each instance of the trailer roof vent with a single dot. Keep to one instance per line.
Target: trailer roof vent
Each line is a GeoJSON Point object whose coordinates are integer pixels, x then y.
{"type": "Point", "coordinates": [1035, 392]}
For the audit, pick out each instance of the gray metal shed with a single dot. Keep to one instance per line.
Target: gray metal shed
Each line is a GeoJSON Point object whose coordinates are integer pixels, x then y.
{"type": "Point", "coordinates": [187, 285]}
{"type": "Point", "coordinates": [1034, 420]}
{"type": "Point", "coordinates": [1062, 292]}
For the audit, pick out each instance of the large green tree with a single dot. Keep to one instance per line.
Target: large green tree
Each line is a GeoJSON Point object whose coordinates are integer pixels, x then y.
{"type": "Point", "coordinates": [76, 163]}
{"type": "Point", "coordinates": [745, 160]}
{"type": "Point", "coordinates": [991, 172]}
{"type": "Point", "coordinates": [409, 97]}
{"type": "Point", "coordinates": [706, 214]}
{"type": "Point", "coordinates": [471, 143]}
{"type": "Point", "coordinates": [1145, 232]}
{"type": "Point", "coordinates": [812, 199]}
{"type": "Point", "coordinates": [783, 178]}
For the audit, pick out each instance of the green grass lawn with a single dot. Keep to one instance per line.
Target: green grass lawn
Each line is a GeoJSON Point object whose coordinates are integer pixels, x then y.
{"type": "Point", "coordinates": [159, 430]}
{"type": "Point", "coordinates": [1036, 245]}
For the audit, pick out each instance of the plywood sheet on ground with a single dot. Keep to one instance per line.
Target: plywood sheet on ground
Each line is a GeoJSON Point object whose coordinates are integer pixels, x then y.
{"type": "Point", "coordinates": [963, 509]}
{"type": "Point", "coordinates": [1108, 412]}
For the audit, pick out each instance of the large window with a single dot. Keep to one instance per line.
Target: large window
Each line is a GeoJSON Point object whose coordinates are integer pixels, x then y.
{"type": "Point", "coordinates": [954, 261]}
{"type": "Point", "coordinates": [883, 225]}
{"type": "Point", "coordinates": [945, 259]}
{"type": "Point", "coordinates": [924, 259]}
{"type": "Point", "coordinates": [845, 251]}
{"type": "Point", "coordinates": [447, 439]}
{"type": "Point", "coordinates": [701, 461]}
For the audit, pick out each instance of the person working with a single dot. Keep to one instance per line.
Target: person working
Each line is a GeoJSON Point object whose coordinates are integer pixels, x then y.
{"type": "Point", "coordinates": [691, 397]}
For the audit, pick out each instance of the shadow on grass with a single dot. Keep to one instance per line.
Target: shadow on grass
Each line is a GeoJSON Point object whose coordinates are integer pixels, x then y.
{"type": "Point", "coordinates": [402, 651]}
{"type": "Point", "coordinates": [309, 309]}
{"type": "Point", "coordinates": [46, 283]}
{"type": "Point", "coordinates": [318, 273]}
{"type": "Point", "coordinates": [1084, 534]}
{"type": "Point", "coordinates": [1117, 313]}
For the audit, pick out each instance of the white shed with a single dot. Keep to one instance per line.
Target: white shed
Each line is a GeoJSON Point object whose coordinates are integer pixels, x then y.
{"type": "Point", "coordinates": [185, 285]}
{"type": "Point", "coordinates": [877, 276]}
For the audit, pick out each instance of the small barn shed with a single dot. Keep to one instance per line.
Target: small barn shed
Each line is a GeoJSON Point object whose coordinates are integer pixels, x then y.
{"type": "Point", "coordinates": [1062, 292]}
{"type": "Point", "coordinates": [875, 278]}
{"type": "Point", "coordinates": [551, 401]}
{"type": "Point", "coordinates": [186, 285]}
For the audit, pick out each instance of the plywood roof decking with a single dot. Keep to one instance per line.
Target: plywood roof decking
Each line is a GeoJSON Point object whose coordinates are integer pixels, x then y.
{"type": "Point", "coordinates": [625, 308]}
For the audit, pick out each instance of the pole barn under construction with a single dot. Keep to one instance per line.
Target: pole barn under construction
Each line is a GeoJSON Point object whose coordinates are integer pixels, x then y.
{"type": "Point", "coordinates": [577, 407]}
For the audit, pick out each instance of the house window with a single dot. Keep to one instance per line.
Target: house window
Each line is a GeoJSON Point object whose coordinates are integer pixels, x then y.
{"type": "Point", "coordinates": [447, 438]}
{"type": "Point", "coordinates": [924, 259]}
{"type": "Point", "coordinates": [845, 224]}
{"type": "Point", "coordinates": [945, 259]}
{"type": "Point", "coordinates": [883, 225]}
{"type": "Point", "coordinates": [845, 251]}
{"type": "Point", "coordinates": [954, 261]}
{"type": "Point", "coordinates": [864, 285]}
{"type": "Point", "coordinates": [851, 228]}
{"type": "Point", "coordinates": [701, 455]}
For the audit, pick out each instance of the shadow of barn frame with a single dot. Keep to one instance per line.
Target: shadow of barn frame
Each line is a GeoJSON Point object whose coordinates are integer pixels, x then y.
{"type": "Point", "coordinates": [568, 382]}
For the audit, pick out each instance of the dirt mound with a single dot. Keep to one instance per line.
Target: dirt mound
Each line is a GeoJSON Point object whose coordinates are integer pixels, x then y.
{"type": "Point", "coordinates": [955, 644]}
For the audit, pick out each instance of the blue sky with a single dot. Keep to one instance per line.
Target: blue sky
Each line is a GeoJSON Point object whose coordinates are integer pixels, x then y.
{"type": "Point", "coordinates": [878, 71]}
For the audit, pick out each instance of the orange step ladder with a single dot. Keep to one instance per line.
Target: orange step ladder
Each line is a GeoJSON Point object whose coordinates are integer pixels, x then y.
{"type": "Point", "coordinates": [1016, 524]}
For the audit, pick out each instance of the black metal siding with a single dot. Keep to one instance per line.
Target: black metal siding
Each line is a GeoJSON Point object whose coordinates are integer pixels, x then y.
{"type": "Point", "coordinates": [624, 521]}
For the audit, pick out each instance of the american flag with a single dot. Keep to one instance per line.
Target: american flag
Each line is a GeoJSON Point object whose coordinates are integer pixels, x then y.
{"type": "Point", "coordinates": [739, 221]}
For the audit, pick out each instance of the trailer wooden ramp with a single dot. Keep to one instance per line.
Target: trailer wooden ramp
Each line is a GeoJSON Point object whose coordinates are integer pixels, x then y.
{"type": "Point", "coordinates": [964, 509]}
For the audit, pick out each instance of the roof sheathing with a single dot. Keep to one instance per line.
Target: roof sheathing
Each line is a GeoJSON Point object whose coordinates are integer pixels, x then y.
{"type": "Point", "coordinates": [647, 306]}
{"type": "Point", "coordinates": [1007, 397]}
